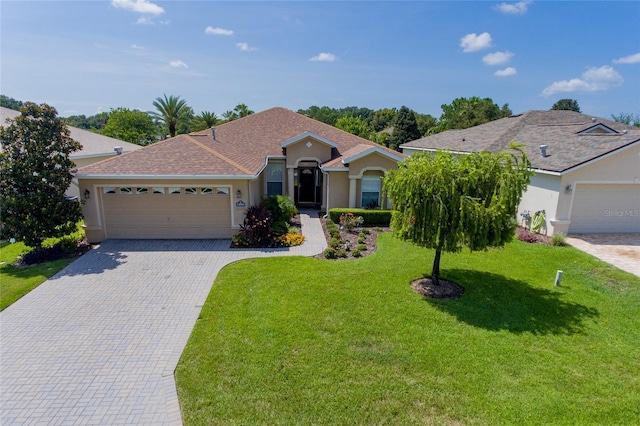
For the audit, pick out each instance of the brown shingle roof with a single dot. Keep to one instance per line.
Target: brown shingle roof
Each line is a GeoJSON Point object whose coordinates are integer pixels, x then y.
{"type": "Point", "coordinates": [559, 130]}
{"type": "Point", "coordinates": [241, 147]}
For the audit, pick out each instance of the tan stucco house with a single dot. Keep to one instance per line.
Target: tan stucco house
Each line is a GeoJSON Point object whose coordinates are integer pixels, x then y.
{"type": "Point", "coordinates": [199, 185]}
{"type": "Point", "coordinates": [587, 169]}
{"type": "Point", "coordinates": [95, 147]}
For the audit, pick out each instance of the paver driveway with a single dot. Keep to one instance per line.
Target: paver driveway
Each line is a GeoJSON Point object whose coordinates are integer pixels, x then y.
{"type": "Point", "coordinates": [98, 343]}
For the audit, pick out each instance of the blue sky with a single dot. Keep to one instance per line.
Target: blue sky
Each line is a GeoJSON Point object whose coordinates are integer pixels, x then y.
{"type": "Point", "coordinates": [91, 56]}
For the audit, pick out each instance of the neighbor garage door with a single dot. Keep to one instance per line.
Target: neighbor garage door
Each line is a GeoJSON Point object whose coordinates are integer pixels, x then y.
{"type": "Point", "coordinates": [605, 208]}
{"type": "Point", "coordinates": [167, 212]}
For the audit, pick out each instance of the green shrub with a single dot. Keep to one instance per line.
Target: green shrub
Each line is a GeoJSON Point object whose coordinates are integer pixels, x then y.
{"type": "Point", "coordinates": [281, 207]}
{"type": "Point", "coordinates": [362, 247]}
{"type": "Point", "coordinates": [356, 253]}
{"type": "Point", "coordinates": [341, 253]}
{"type": "Point", "coordinates": [280, 228]}
{"type": "Point", "coordinates": [370, 217]}
{"type": "Point", "coordinates": [334, 243]}
{"type": "Point", "coordinates": [558, 240]}
{"type": "Point", "coordinates": [329, 253]}
{"type": "Point", "coordinates": [361, 239]}
{"type": "Point", "coordinates": [366, 231]}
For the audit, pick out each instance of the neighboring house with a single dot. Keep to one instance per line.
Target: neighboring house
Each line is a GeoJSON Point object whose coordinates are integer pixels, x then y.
{"type": "Point", "coordinates": [199, 185]}
{"type": "Point", "coordinates": [95, 147]}
{"type": "Point", "coordinates": [587, 170]}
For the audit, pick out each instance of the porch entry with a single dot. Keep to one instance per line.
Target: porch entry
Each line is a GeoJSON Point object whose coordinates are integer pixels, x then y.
{"type": "Point", "coordinates": [308, 185]}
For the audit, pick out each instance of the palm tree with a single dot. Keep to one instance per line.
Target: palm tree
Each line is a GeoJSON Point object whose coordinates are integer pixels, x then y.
{"type": "Point", "coordinates": [242, 110]}
{"type": "Point", "coordinates": [230, 115]}
{"type": "Point", "coordinates": [204, 120]}
{"type": "Point", "coordinates": [171, 110]}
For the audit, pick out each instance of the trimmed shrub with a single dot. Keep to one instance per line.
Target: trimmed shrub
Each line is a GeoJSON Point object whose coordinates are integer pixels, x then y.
{"type": "Point", "coordinates": [356, 253]}
{"type": "Point", "coordinates": [362, 247]}
{"type": "Point", "coordinates": [341, 253]}
{"type": "Point", "coordinates": [329, 253]}
{"type": "Point", "coordinates": [526, 236]}
{"type": "Point", "coordinates": [334, 243]}
{"type": "Point", "coordinates": [558, 240]}
{"type": "Point", "coordinates": [257, 227]}
{"type": "Point", "coordinates": [370, 217]}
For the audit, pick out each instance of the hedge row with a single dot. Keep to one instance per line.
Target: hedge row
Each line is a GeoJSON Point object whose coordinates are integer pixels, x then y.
{"type": "Point", "coordinates": [372, 217]}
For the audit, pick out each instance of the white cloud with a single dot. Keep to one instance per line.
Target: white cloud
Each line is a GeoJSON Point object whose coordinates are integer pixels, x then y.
{"type": "Point", "coordinates": [592, 80]}
{"type": "Point", "coordinates": [144, 20]}
{"type": "Point", "coordinates": [631, 59]}
{"type": "Point", "coordinates": [218, 31]}
{"type": "Point", "coordinates": [178, 64]}
{"type": "Point", "coordinates": [324, 57]}
{"type": "Point", "coordinates": [519, 8]}
{"type": "Point", "coordinates": [473, 42]}
{"type": "Point", "coordinates": [137, 47]}
{"type": "Point", "coordinates": [245, 47]}
{"type": "Point", "coordinates": [509, 71]}
{"type": "Point", "coordinates": [497, 58]}
{"type": "Point", "coordinates": [139, 6]}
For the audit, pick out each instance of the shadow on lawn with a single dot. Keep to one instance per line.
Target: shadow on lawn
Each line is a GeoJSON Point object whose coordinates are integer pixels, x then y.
{"type": "Point", "coordinates": [495, 303]}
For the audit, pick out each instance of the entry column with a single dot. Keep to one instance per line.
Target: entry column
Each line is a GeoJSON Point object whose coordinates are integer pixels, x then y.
{"type": "Point", "coordinates": [352, 192]}
{"type": "Point", "coordinates": [290, 182]}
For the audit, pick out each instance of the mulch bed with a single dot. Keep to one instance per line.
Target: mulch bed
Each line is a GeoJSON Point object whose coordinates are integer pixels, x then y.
{"type": "Point", "coordinates": [445, 290]}
{"type": "Point", "coordinates": [351, 238]}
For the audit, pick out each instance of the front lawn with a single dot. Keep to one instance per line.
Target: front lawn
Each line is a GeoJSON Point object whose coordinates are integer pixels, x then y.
{"type": "Point", "coordinates": [15, 282]}
{"type": "Point", "coordinates": [309, 341]}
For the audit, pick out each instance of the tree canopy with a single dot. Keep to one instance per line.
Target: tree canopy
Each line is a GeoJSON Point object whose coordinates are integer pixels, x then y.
{"type": "Point", "coordinates": [35, 173]}
{"type": "Point", "coordinates": [131, 125]}
{"type": "Point", "coordinates": [355, 125]}
{"type": "Point", "coordinates": [445, 202]}
{"type": "Point", "coordinates": [172, 111]}
{"type": "Point", "coordinates": [204, 120]}
{"type": "Point", "coordinates": [405, 128]}
{"type": "Point", "coordinates": [7, 102]}
{"type": "Point", "coordinates": [566, 104]}
{"type": "Point", "coordinates": [463, 113]}
{"type": "Point", "coordinates": [627, 118]}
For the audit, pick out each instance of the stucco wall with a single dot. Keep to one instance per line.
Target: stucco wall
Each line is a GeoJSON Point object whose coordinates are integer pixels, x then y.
{"type": "Point", "coordinates": [371, 162]}
{"type": "Point", "coordinates": [541, 194]}
{"type": "Point", "coordinates": [339, 190]}
{"type": "Point", "coordinates": [318, 151]}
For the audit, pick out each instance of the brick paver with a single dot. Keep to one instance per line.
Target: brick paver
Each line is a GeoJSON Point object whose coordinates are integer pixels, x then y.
{"type": "Point", "coordinates": [620, 250]}
{"type": "Point", "coordinates": [97, 344]}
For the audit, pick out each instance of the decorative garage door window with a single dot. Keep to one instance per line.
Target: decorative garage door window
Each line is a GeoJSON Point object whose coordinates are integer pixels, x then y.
{"type": "Point", "coordinates": [158, 190]}
{"type": "Point", "coordinates": [191, 191]}
{"type": "Point", "coordinates": [222, 191]}
{"type": "Point", "coordinates": [175, 190]}
{"type": "Point", "coordinates": [126, 191]}
{"type": "Point", "coordinates": [109, 190]}
{"type": "Point", "coordinates": [371, 191]}
{"type": "Point", "coordinates": [142, 191]}
{"type": "Point", "coordinates": [206, 191]}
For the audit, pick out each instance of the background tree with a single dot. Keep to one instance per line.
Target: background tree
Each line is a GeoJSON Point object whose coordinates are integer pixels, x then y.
{"type": "Point", "coordinates": [445, 202]}
{"type": "Point", "coordinates": [94, 123]}
{"type": "Point", "coordinates": [405, 128]}
{"type": "Point", "coordinates": [383, 118]}
{"type": "Point", "coordinates": [426, 122]}
{"type": "Point", "coordinates": [230, 115]}
{"type": "Point", "coordinates": [242, 110]}
{"type": "Point", "coordinates": [463, 113]}
{"type": "Point", "coordinates": [10, 103]}
{"type": "Point", "coordinates": [627, 118]}
{"type": "Point", "coordinates": [566, 104]}
{"type": "Point", "coordinates": [35, 173]}
{"type": "Point", "coordinates": [132, 126]}
{"type": "Point", "coordinates": [204, 120]}
{"type": "Point", "coordinates": [355, 125]}
{"type": "Point", "coordinates": [171, 111]}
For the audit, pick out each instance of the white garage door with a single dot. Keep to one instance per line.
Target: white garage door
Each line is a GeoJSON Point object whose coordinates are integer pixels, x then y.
{"type": "Point", "coordinates": [167, 212]}
{"type": "Point", "coordinates": [605, 208]}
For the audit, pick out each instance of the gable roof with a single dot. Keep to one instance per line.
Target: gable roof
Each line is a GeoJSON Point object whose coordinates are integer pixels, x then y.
{"type": "Point", "coordinates": [241, 148]}
{"type": "Point", "coordinates": [569, 136]}
{"type": "Point", "coordinates": [93, 144]}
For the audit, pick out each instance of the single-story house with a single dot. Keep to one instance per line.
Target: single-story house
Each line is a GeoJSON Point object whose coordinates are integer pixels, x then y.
{"type": "Point", "coordinates": [95, 147]}
{"type": "Point", "coordinates": [199, 185]}
{"type": "Point", "coordinates": [587, 169]}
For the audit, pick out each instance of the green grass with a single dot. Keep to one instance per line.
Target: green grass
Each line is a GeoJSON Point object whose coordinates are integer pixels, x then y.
{"type": "Point", "coordinates": [15, 282]}
{"type": "Point", "coordinates": [308, 341]}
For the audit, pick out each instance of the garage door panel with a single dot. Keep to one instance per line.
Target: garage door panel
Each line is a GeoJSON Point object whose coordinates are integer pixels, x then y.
{"type": "Point", "coordinates": [158, 216]}
{"type": "Point", "coordinates": [606, 208]}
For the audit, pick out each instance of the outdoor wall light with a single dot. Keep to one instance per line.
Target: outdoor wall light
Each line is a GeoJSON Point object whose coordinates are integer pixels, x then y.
{"type": "Point", "coordinates": [238, 194]}
{"type": "Point", "coordinates": [568, 189]}
{"type": "Point", "coordinates": [87, 194]}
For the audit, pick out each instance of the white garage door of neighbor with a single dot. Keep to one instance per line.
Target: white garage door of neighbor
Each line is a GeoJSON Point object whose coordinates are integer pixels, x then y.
{"type": "Point", "coordinates": [605, 208]}
{"type": "Point", "coordinates": [167, 212]}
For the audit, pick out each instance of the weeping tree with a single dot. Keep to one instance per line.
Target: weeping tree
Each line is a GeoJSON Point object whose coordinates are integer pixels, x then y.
{"type": "Point", "coordinates": [445, 202]}
{"type": "Point", "coordinates": [35, 173]}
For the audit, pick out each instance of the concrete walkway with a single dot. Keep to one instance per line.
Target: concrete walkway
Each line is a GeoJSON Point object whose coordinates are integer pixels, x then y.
{"type": "Point", "coordinates": [620, 250]}
{"type": "Point", "coordinates": [98, 343]}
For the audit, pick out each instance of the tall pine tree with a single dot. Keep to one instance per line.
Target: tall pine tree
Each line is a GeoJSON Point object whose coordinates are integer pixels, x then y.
{"type": "Point", "coordinates": [405, 128]}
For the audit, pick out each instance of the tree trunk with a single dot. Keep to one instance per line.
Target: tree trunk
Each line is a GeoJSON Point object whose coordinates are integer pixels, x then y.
{"type": "Point", "coordinates": [435, 271]}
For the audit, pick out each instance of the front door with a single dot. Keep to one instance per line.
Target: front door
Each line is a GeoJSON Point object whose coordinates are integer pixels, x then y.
{"type": "Point", "coordinates": [307, 185]}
